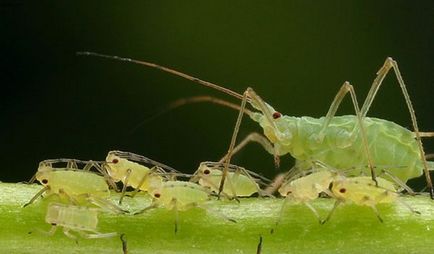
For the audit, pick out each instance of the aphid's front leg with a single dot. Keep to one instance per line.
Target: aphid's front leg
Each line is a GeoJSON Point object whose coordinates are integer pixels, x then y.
{"type": "Point", "coordinates": [337, 203]}
{"type": "Point", "coordinates": [125, 185]}
{"type": "Point", "coordinates": [105, 204]}
{"type": "Point", "coordinates": [212, 211]}
{"type": "Point", "coordinates": [315, 212]}
{"type": "Point", "coordinates": [260, 139]}
{"type": "Point", "coordinates": [68, 234]}
{"type": "Point", "coordinates": [381, 74]}
{"type": "Point", "coordinates": [37, 195]}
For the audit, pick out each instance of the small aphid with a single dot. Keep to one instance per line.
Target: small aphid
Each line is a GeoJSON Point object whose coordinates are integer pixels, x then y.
{"type": "Point", "coordinates": [306, 189]}
{"type": "Point", "coordinates": [79, 219]}
{"type": "Point", "coordinates": [239, 181]}
{"type": "Point", "coordinates": [124, 167]}
{"type": "Point", "coordinates": [180, 196]}
{"type": "Point", "coordinates": [78, 186]}
{"type": "Point", "coordinates": [363, 191]}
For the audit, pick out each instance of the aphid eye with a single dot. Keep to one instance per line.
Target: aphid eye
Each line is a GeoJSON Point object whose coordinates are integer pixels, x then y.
{"type": "Point", "coordinates": [115, 161]}
{"type": "Point", "coordinates": [206, 171]}
{"type": "Point", "coordinates": [342, 190]}
{"type": "Point", "coordinates": [157, 195]}
{"type": "Point", "coordinates": [44, 181]}
{"type": "Point", "coordinates": [276, 115]}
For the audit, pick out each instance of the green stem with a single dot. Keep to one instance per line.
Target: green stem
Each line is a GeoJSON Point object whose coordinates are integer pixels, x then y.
{"type": "Point", "coordinates": [352, 229]}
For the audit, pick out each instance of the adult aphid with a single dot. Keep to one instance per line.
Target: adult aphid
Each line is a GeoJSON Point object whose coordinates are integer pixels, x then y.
{"type": "Point", "coordinates": [342, 142]}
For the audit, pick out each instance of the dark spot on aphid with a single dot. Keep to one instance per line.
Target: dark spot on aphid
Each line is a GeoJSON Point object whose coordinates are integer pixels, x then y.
{"type": "Point", "coordinates": [366, 198]}
{"type": "Point", "coordinates": [206, 171]}
{"type": "Point", "coordinates": [157, 195]}
{"type": "Point", "coordinates": [276, 115]}
{"type": "Point", "coordinates": [342, 190]}
{"type": "Point", "coordinates": [53, 224]}
{"type": "Point", "coordinates": [115, 161]}
{"type": "Point", "coordinates": [44, 181]}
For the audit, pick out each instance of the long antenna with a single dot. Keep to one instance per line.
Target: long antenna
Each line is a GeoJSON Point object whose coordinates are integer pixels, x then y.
{"type": "Point", "coordinates": [165, 69]}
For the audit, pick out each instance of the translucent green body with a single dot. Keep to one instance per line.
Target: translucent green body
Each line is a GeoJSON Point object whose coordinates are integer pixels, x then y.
{"type": "Point", "coordinates": [236, 185]}
{"type": "Point", "coordinates": [74, 183]}
{"type": "Point", "coordinates": [182, 194]}
{"type": "Point", "coordinates": [72, 217]}
{"type": "Point", "coordinates": [391, 146]}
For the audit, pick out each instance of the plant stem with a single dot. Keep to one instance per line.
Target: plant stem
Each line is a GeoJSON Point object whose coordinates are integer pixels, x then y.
{"type": "Point", "coordinates": [352, 229]}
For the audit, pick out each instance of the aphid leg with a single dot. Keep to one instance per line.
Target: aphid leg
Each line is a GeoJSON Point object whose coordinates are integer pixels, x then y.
{"type": "Point", "coordinates": [315, 212]}
{"type": "Point", "coordinates": [96, 235]}
{"type": "Point", "coordinates": [175, 209]}
{"type": "Point", "coordinates": [70, 198]}
{"type": "Point", "coordinates": [337, 203]}
{"type": "Point", "coordinates": [282, 209]}
{"type": "Point", "coordinates": [125, 185]}
{"type": "Point", "coordinates": [407, 206]}
{"type": "Point", "coordinates": [259, 248]}
{"type": "Point", "coordinates": [381, 74]}
{"type": "Point", "coordinates": [345, 88]}
{"type": "Point", "coordinates": [275, 184]}
{"type": "Point", "coordinates": [214, 212]}
{"type": "Point", "coordinates": [152, 206]}
{"type": "Point", "coordinates": [37, 195]}
{"type": "Point", "coordinates": [68, 234]}
{"type": "Point", "coordinates": [142, 181]}
{"type": "Point", "coordinates": [232, 144]}
{"type": "Point", "coordinates": [124, 243]}
{"type": "Point", "coordinates": [247, 174]}
{"type": "Point", "coordinates": [258, 138]}
{"type": "Point", "coordinates": [374, 208]}
{"type": "Point", "coordinates": [73, 164]}
{"type": "Point", "coordinates": [399, 182]}
{"type": "Point", "coordinates": [105, 204]}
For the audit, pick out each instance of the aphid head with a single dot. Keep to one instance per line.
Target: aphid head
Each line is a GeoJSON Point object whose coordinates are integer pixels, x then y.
{"type": "Point", "coordinates": [114, 166]}
{"type": "Point", "coordinates": [43, 177]}
{"type": "Point", "coordinates": [277, 127]}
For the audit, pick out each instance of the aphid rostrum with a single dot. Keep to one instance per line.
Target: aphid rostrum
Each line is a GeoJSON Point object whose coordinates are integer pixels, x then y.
{"type": "Point", "coordinates": [340, 141]}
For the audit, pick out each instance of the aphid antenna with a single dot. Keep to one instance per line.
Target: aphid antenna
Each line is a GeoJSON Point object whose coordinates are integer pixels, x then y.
{"type": "Point", "coordinates": [165, 69]}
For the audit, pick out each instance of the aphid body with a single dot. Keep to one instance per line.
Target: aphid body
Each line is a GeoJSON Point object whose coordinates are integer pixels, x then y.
{"type": "Point", "coordinates": [179, 195]}
{"type": "Point", "coordinates": [82, 220]}
{"type": "Point", "coordinates": [239, 181]}
{"type": "Point", "coordinates": [132, 173]}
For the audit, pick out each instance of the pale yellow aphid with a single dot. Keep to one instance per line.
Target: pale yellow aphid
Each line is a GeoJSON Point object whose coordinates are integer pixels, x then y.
{"type": "Point", "coordinates": [79, 219]}
{"type": "Point", "coordinates": [239, 181]}
{"type": "Point", "coordinates": [78, 186]}
{"type": "Point", "coordinates": [124, 167]}
{"type": "Point", "coordinates": [180, 196]}
{"type": "Point", "coordinates": [306, 189]}
{"type": "Point", "coordinates": [363, 191]}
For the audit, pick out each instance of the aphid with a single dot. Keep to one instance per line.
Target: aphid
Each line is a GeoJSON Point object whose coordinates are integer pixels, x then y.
{"type": "Point", "coordinates": [343, 141]}
{"type": "Point", "coordinates": [78, 186]}
{"type": "Point", "coordinates": [124, 167]}
{"type": "Point", "coordinates": [79, 219]}
{"type": "Point", "coordinates": [364, 191]}
{"type": "Point", "coordinates": [180, 196]}
{"type": "Point", "coordinates": [239, 183]}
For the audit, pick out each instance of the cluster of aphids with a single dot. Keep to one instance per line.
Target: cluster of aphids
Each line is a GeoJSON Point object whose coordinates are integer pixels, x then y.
{"type": "Point", "coordinates": [350, 158]}
{"type": "Point", "coordinates": [83, 188]}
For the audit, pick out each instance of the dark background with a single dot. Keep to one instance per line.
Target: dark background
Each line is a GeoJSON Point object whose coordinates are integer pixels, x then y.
{"type": "Point", "coordinates": [295, 54]}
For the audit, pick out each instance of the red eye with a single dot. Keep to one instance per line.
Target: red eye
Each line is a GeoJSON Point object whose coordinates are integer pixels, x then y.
{"type": "Point", "coordinates": [343, 190]}
{"type": "Point", "coordinates": [44, 181]}
{"type": "Point", "coordinates": [115, 161]}
{"type": "Point", "coordinates": [276, 115]}
{"type": "Point", "coordinates": [206, 172]}
{"type": "Point", "coordinates": [157, 195]}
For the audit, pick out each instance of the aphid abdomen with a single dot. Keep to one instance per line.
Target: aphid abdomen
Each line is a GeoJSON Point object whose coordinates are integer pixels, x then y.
{"type": "Point", "coordinates": [72, 217]}
{"type": "Point", "coordinates": [390, 146]}
{"type": "Point", "coordinates": [242, 184]}
{"type": "Point", "coordinates": [185, 194]}
{"type": "Point", "coordinates": [78, 183]}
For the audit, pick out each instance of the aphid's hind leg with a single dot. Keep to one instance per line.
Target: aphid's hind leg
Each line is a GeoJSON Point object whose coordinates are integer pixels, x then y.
{"type": "Point", "coordinates": [105, 204]}
{"type": "Point", "coordinates": [381, 74]}
{"type": "Point", "coordinates": [282, 209]}
{"type": "Point", "coordinates": [232, 144]}
{"type": "Point", "coordinates": [258, 138]}
{"type": "Point", "coordinates": [68, 234]}
{"type": "Point", "coordinates": [399, 182]}
{"type": "Point", "coordinates": [345, 88]}
{"type": "Point", "coordinates": [374, 208]}
{"type": "Point", "coordinates": [315, 212]}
